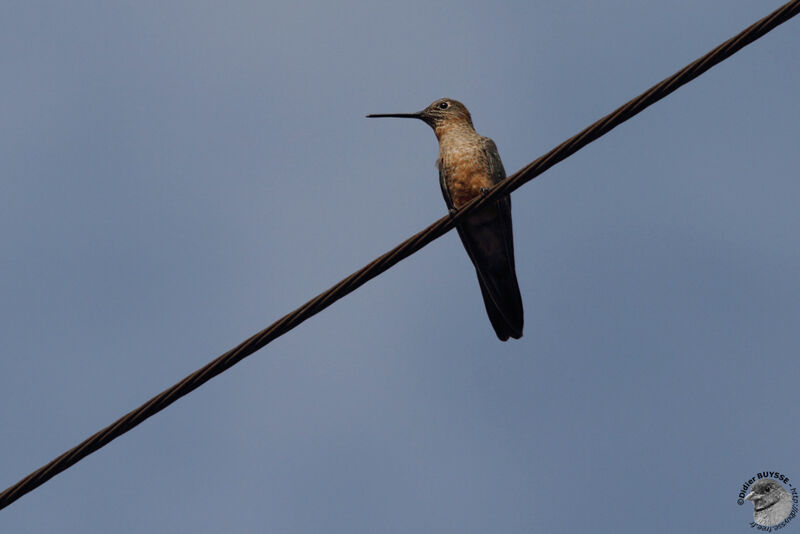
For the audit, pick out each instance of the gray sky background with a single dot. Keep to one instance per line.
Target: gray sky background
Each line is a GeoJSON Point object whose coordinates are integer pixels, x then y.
{"type": "Point", "coordinates": [174, 176]}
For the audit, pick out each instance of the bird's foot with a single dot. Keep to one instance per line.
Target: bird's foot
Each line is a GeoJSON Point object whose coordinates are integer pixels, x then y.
{"type": "Point", "coordinates": [453, 212]}
{"type": "Point", "coordinates": [484, 191]}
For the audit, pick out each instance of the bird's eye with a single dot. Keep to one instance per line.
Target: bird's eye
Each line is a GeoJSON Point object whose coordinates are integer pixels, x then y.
{"type": "Point", "coordinates": [767, 489]}
{"type": "Point", "coordinates": [444, 105]}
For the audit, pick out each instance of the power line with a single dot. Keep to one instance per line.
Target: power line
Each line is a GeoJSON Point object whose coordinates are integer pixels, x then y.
{"type": "Point", "coordinates": [397, 254]}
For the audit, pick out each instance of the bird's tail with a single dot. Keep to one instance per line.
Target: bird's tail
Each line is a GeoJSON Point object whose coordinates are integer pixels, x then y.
{"type": "Point", "coordinates": [505, 309]}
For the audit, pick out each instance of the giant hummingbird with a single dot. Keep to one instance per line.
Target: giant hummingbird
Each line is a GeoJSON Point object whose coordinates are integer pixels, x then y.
{"type": "Point", "coordinates": [469, 165]}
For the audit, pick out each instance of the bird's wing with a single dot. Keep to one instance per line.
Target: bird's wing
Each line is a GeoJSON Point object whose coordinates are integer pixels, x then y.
{"type": "Point", "coordinates": [496, 175]}
{"type": "Point", "coordinates": [496, 171]}
{"type": "Point", "coordinates": [503, 288]}
{"type": "Point", "coordinates": [443, 184]}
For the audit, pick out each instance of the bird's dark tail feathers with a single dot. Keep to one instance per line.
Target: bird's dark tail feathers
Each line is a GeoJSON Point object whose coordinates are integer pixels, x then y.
{"type": "Point", "coordinates": [506, 315]}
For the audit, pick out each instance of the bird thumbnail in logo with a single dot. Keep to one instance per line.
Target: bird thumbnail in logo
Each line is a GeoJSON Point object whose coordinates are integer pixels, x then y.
{"type": "Point", "coordinates": [772, 503]}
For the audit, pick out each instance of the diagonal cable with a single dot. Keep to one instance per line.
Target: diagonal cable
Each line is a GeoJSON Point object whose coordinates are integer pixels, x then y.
{"type": "Point", "coordinates": [397, 254]}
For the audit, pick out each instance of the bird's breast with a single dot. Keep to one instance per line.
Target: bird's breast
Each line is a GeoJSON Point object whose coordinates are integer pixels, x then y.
{"type": "Point", "coordinates": [464, 168]}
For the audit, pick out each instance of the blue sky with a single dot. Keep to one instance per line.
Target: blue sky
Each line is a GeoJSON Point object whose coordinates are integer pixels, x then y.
{"type": "Point", "coordinates": [177, 175]}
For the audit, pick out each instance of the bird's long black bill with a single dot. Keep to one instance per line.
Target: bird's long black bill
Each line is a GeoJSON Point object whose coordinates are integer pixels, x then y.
{"type": "Point", "coordinates": [417, 115]}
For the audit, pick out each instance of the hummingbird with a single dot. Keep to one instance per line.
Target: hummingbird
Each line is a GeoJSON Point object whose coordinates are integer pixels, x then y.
{"type": "Point", "coordinates": [469, 164]}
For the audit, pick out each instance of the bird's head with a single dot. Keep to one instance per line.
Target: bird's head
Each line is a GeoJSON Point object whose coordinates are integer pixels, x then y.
{"type": "Point", "coordinates": [765, 493]}
{"type": "Point", "coordinates": [440, 113]}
